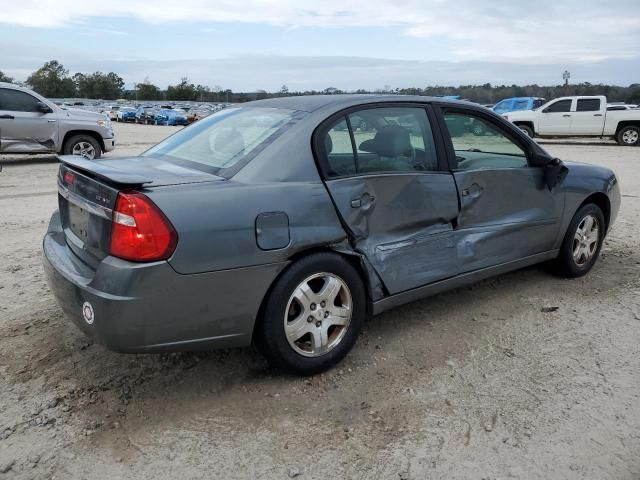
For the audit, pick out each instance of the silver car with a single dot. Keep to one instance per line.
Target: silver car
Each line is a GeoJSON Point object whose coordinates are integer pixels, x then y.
{"type": "Point", "coordinates": [29, 123]}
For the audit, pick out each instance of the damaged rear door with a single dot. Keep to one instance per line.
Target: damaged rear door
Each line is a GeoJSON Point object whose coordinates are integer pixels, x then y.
{"type": "Point", "coordinates": [23, 127]}
{"type": "Point", "coordinates": [397, 201]}
{"type": "Point", "coordinates": [507, 211]}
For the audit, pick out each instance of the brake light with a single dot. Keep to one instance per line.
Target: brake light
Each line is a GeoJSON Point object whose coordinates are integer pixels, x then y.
{"type": "Point", "coordinates": [140, 232]}
{"type": "Point", "coordinates": [69, 177]}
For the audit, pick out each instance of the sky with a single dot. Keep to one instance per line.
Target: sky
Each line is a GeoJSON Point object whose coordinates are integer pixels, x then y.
{"type": "Point", "coordinates": [247, 45]}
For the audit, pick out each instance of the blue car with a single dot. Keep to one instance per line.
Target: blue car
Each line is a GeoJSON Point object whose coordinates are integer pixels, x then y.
{"type": "Point", "coordinates": [171, 117]}
{"type": "Point", "coordinates": [126, 114]}
{"type": "Point", "coordinates": [518, 103]}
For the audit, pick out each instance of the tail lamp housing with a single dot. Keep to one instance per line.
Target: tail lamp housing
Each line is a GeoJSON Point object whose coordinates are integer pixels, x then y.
{"type": "Point", "coordinates": [140, 232]}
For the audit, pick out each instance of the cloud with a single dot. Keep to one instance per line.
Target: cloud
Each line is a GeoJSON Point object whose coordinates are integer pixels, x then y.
{"type": "Point", "coordinates": [527, 31]}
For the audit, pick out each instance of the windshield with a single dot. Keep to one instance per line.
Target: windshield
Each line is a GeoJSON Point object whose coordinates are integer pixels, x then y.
{"type": "Point", "coordinates": [225, 141]}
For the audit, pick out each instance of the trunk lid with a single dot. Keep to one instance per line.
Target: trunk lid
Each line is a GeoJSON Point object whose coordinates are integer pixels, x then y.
{"type": "Point", "coordinates": [87, 192]}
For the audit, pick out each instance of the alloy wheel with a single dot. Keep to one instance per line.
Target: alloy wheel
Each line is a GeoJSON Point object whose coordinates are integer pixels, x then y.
{"type": "Point", "coordinates": [585, 240]}
{"type": "Point", "coordinates": [630, 137]}
{"type": "Point", "coordinates": [84, 149]}
{"type": "Point", "coordinates": [318, 314]}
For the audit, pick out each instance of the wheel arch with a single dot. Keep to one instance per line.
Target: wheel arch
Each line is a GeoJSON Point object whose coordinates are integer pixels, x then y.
{"type": "Point", "coordinates": [627, 123]}
{"type": "Point", "coordinates": [526, 123]}
{"type": "Point", "coordinates": [73, 133]}
{"type": "Point", "coordinates": [373, 288]}
{"type": "Point", "coordinates": [602, 201]}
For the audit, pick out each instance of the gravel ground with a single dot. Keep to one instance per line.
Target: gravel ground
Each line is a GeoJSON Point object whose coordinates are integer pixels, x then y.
{"type": "Point", "coordinates": [478, 383]}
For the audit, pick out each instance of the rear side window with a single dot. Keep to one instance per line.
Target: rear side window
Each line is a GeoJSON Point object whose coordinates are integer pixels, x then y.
{"type": "Point", "coordinates": [225, 141]}
{"type": "Point", "coordinates": [559, 106]}
{"type": "Point", "coordinates": [341, 159]}
{"type": "Point", "coordinates": [17, 101]}
{"type": "Point", "coordinates": [381, 139]}
{"type": "Point", "coordinates": [588, 105]}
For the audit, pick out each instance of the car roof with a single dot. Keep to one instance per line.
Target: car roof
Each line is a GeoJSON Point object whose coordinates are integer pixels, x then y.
{"type": "Point", "coordinates": [310, 103]}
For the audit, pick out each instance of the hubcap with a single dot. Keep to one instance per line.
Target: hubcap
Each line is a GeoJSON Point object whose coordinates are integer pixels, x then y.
{"type": "Point", "coordinates": [318, 314]}
{"type": "Point", "coordinates": [585, 241]}
{"type": "Point", "coordinates": [526, 132]}
{"type": "Point", "coordinates": [84, 149]}
{"type": "Point", "coordinates": [630, 136]}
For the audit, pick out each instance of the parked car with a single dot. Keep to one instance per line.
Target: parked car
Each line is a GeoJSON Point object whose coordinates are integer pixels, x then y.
{"type": "Point", "coordinates": [289, 233]}
{"type": "Point", "coordinates": [197, 113]}
{"type": "Point", "coordinates": [170, 117]}
{"type": "Point", "coordinates": [580, 116]}
{"type": "Point", "coordinates": [126, 114]}
{"type": "Point", "coordinates": [146, 115]}
{"type": "Point", "coordinates": [29, 123]}
{"type": "Point", "coordinates": [518, 103]}
{"type": "Point", "coordinates": [111, 111]}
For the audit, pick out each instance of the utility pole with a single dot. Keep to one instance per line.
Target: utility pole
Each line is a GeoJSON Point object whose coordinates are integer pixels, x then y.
{"type": "Point", "coordinates": [566, 75]}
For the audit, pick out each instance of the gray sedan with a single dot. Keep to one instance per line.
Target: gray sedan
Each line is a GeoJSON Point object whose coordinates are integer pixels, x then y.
{"type": "Point", "coordinates": [279, 223]}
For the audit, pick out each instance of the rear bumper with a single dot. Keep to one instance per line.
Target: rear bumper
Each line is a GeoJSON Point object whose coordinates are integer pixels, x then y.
{"type": "Point", "coordinates": [149, 307]}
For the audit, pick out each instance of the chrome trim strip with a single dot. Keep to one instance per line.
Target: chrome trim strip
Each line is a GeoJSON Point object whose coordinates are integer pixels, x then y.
{"type": "Point", "coordinates": [85, 204]}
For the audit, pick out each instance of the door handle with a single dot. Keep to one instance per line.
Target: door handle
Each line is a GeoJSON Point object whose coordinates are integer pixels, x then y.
{"type": "Point", "coordinates": [7, 117]}
{"type": "Point", "coordinates": [473, 190]}
{"type": "Point", "coordinates": [566, 115]}
{"type": "Point", "coordinates": [597, 114]}
{"type": "Point", "coordinates": [51, 121]}
{"type": "Point", "coordinates": [365, 201]}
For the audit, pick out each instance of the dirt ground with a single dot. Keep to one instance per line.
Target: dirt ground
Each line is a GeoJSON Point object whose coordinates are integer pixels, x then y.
{"type": "Point", "coordinates": [478, 383]}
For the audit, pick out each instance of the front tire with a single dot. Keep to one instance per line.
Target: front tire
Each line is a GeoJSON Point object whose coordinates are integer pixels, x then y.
{"type": "Point", "coordinates": [629, 136]}
{"type": "Point", "coordinates": [582, 242]}
{"type": "Point", "coordinates": [83, 145]}
{"type": "Point", "coordinates": [527, 130]}
{"type": "Point", "coordinates": [313, 314]}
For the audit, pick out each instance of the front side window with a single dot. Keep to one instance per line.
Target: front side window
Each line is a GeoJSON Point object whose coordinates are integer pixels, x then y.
{"type": "Point", "coordinates": [559, 106]}
{"type": "Point", "coordinates": [17, 101]}
{"type": "Point", "coordinates": [490, 150]}
{"type": "Point", "coordinates": [588, 105]}
{"type": "Point", "coordinates": [222, 142]}
{"type": "Point", "coordinates": [386, 139]}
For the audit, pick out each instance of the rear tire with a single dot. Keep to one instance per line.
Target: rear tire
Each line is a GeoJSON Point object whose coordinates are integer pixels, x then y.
{"type": "Point", "coordinates": [582, 242]}
{"type": "Point", "coordinates": [84, 145]}
{"type": "Point", "coordinates": [629, 136]}
{"type": "Point", "coordinates": [527, 130]}
{"type": "Point", "coordinates": [313, 314]}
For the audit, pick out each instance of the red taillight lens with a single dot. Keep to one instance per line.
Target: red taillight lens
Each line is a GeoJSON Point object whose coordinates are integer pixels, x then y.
{"type": "Point", "coordinates": [69, 177]}
{"type": "Point", "coordinates": [139, 230]}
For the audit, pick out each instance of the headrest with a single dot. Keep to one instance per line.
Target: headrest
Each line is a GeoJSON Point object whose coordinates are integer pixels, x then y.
{"type": "Point", "coordinates": [328, 144]}
{"type": "Point", "coordinates": [229, 141]}
{"type": "Point", "coordinates": [390, 141]}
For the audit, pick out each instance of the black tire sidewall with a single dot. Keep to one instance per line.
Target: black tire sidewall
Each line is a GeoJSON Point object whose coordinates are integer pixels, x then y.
{"type": "Point", "coordinates": [270, 335]}
{"type": "Point", "coordinates": [527, 130]}
{"type": "Point", "coordinates": [567, 264]}
{"type": "Point", "coordinates": [621, 133]}
{"type": "Point", "coordinates": [68, 146]}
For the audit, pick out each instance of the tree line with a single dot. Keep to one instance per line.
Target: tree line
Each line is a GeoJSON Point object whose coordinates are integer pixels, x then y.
{"type": "Point", "coordinates": [53, 80]}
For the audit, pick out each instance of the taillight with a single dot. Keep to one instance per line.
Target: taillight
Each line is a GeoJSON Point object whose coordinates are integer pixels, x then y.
{"type": "Point", "coordinates": [139, 230]}
{"type": "Point", "coordinates": [69, 178]}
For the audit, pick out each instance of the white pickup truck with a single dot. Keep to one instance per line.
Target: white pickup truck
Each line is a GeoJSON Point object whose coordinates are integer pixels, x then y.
{"type": "Point", "coordinates": [579, 116]}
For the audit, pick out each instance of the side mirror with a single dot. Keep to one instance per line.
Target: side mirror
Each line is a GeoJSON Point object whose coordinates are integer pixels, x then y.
{"type": "Point", "coordinates": [44, 108]}
{"type": "Point", "coordinates": [554, 173]}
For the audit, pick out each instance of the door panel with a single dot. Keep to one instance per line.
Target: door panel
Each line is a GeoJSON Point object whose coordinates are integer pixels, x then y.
{"type": "Point", "coordinates": [588, 117]}
{"type": "Point", "coordinates": [556, 118]}
{"type": "Point", "coordinates": [402, 223]}
{"type": "Point", "coordinates": [505, 215]}
{"type": "Point", "coordinates": [22, 127]}
{"type": "Point", "coordinates": [506, 209]}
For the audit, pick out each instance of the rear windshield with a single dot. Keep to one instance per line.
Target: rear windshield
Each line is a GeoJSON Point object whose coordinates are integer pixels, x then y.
{"type": "Point", "coordinates": [225, 141]}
